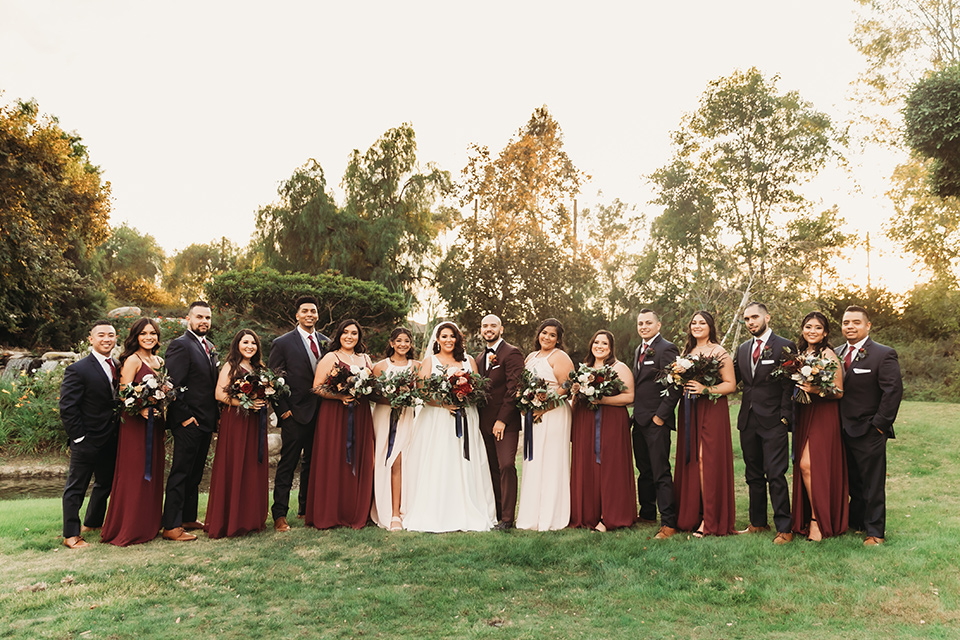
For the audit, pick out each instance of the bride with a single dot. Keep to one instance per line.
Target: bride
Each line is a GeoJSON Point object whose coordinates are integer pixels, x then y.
{"type": "Point", "coordinates": [445, 491]}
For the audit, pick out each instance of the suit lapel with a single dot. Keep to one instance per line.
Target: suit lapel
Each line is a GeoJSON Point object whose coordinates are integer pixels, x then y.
{"type": "Point", "coordinates": [746, 361]}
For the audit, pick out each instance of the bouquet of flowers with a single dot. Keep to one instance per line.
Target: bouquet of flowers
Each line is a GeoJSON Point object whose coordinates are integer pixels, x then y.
{"type": "Point", "coordinates": [350, 379]}
{"type": "Point", "coordinates": [535, 394]}
{"type": "Point", "coordinates": [693, 366]}
{"type": "Point", "coordinates": [154, 391]}
{"type": "Point", "coordinates": [400, 390]}
{"type": "Point", "coordinates": [813, 369]}
{"type": "Point", "coordinates": [596, 383]}
{"type": "Point", "coordinates": [263, 384]}
{"type": "Point", "coordinates": [459, 388]}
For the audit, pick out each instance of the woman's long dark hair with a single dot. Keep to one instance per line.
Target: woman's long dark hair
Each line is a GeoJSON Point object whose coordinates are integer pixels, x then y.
{"type": "Point", "coordinates": [234, 357]}
{"type": "Point", "coordinates": [335, 343]}
{"type": "Point", "coordinates": [590, 360]}
{"type": "Point", "coordinates": [132, 342]}
{"type": "Point", "coordinates": [459, 354]}
{"type": "Point", "coordinates": [549, 322]}
{"type": "Point", "coordinates": [396, 333]}
{"type": "Point", "coordinates": [691, 341]}
{"type": "Point", "coordinates": [802, 343]}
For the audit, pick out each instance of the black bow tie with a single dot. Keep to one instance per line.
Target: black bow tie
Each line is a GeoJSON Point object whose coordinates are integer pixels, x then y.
{"type": "Point", "coordinates": [491, 350]}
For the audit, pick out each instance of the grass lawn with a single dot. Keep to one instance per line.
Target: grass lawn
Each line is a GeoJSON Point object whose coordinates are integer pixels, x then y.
{"type": "Point", "coordinates": [567, 584]}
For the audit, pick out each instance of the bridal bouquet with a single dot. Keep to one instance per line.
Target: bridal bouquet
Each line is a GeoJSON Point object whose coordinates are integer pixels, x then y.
{"type": "Point", "coordinates": [596, 383]}
{"type": "Point", "coordinates": [459, 388]}
{"type": "Point", "coordinates": [263, 384]}
{"type": "Point", "coordinates": [694, 366]}
{"type": "Point", "coordinates": [812, 369]}
{"type": "Point", "coordinates": [535, 394]}
{"type": "Point", "coordinates": [154, 391]}
{"type": "Point", "coordinates": [400, 390]}
{"type": "Point", "coordinates": [352, 380]}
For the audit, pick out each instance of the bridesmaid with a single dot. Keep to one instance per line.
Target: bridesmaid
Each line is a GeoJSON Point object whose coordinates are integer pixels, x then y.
{"type": "Point", "coordinates": [703, 476]}
{"type": "Point", "coordinates": [604, 494]}
{"type": "Point", "coordinates": [133, 515]}
{"type": "Point", "coordinates": [340, 492]}
{"type": "Point", "coordinates": [387, 472]}
{"type": "Point", "coordinates": [238, 481]}
{"type": "Point", "coordinates": [545, 481]}
{"type": "Point", "coordinates": [820, 491]}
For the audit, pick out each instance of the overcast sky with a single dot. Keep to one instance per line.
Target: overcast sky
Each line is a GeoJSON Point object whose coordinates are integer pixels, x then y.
{"type": "Point", "coordinates": [196, 111]}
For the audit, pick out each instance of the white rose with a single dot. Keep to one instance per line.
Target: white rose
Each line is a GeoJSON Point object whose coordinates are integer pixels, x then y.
{"type": "Point", "coordinates": [588, 391]}
{"type": "Point", "coordinates": [129, 402]}
{"type": "Point", "coordinates": [150, 381]}
{"type": "Point", "coordinates": [684, 363]}
{"type": "Point", "coordinates": [280, 382]}
{"type": "Point", "coordinates": [806, 370]}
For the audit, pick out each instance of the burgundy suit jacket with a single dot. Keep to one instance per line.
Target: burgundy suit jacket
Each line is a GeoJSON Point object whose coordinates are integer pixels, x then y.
{"type": "Point", "coordinates": [504, 378]}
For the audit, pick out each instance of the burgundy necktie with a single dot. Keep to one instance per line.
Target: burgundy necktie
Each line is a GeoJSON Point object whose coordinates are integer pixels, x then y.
{"type": "Point", "coordinates": [313, 348]}
{"type": "Point", "coordinates": [756, 351]}
{"type": "Point", "coordinates": [848, 358]}
{"type": "Point", "coordinates": [113, 371]}
{"type": "Point", "coordinates": [643, 350]}
{"type": "Point", "coordinates": [206, 345]}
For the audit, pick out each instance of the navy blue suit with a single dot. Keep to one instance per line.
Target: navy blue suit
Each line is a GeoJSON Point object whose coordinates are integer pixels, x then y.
{"type": "Point", "coordinates": [88, 410]}
{"type": "Point", "coordinates": [872, 391]}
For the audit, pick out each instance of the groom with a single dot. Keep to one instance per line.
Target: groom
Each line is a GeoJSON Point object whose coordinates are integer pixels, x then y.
{"type": "Point", "coordinates": [502, 364]}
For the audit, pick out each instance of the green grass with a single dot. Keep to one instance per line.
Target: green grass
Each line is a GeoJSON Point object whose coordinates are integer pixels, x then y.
{"type": "Point", "coordinates": [567, 584]}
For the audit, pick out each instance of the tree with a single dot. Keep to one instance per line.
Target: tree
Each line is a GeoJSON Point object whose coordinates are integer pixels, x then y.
{"type": "Point", "coordinates": [133, 263]}
{"type": "Point", "coordinates": [932, 117]}
{"type": "Point", "coordinates": [196, 265]}
{"type": "Point", "coordinates": [54, 209]}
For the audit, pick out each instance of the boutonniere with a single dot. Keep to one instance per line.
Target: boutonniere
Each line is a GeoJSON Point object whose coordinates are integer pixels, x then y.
{"type": "Point", "coordinates": [767, 352]}
{"type": "Point", "coordinates": [861, 354]}
{"type": "Point", "coordinates": [493, 361]}
{"type": "Point", "coordinates": [650, 353]}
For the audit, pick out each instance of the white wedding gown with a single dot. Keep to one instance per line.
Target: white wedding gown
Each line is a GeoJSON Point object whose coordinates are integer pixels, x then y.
{"type": "Point", "coordinates": [442, 490]}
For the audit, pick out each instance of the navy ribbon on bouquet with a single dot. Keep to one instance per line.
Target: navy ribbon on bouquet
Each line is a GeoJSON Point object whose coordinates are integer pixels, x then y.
{"type": "Point", "coordinates": [392, 437]}
{"type": "Point", "coordinates": [351, 438]}
{"type": "Point", "coordinates": [596, 433]}
{"type": "Point", "coordinates": [689, 406]}
{"type": "Point", "coordinates": [460, 420]}
{"type": "Point", "coordinates": [262, 436]}
{"type": "Point", "coordinates": [148, 448]}
{"type": "Point", "coordinates": [528, 436]}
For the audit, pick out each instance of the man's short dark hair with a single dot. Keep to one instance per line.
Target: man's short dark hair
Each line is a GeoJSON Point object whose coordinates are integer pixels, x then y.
{"type": "Point", "coordinates": [655, 314]}
{"type": "Point", "coordinates": [100, 322]}
{"type": "Point", "coordinates": [759, 305]}
{"type": "Point", "coordinates": [302, 300]}
{"type": "Point", "coordinates": [198, 303]}
{"type": "Point", "coordinates": [854, 308]}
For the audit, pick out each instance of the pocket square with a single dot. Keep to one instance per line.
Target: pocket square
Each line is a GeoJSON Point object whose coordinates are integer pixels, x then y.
{"type": "Point", "coordinates": [767, 361]}
{"type": "Point", "coordinates": [856, 370]}
{"type": "Point", "coordinates": [496, 366]}
{"type": "Point", "coordinates": [648, 362]}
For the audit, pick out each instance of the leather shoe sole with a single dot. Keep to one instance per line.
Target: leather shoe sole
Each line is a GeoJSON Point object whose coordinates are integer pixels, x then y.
{"type": "Point", "coordinates": [783, 538]}
{"type": "Point", "coordinates": [872, 541]}
{"type": "Point", "coordinates": [75, 542]}
{"type": "Point", "coordinates": [178, 535]}
{"type": "Point", "coordinates": [664, 533]}
{"type": "Point", "coordinates": [280, 524]}
{"type": "Point", "coordinates": [192, 526]}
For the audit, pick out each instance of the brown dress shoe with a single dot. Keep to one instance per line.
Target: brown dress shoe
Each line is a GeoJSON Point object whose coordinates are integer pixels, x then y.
{"type": "Point", "coordinates": [664, 533]}
{"type": "Point", "coordinates": [872, 541]}
{"type": "Point", "coordinates": [280, 524]}
{"type": "Point", "coordinates": [753, 529]}
{"type": "Point", "coordinates": [75, 542]}
{"type": "Point", "coordinates": [178, 535]}
{"type": "Point", "coordinates": [85, 529]}
{"type": "Point", "coordinates": [192, 526]}
{"type": "Point", "coordinates": [783, 538]}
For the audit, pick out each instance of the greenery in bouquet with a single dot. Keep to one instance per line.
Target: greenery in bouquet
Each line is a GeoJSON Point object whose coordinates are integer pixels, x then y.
{"type": "Point", "coordinates": [535, 394]}
{"type": "Point", "coordinates": [699, 367]}
{"type": "Point", "coordinates": [155, 391]}
{"type": "Point", "coordinates": [263, 384]}
{"type": "Point", "coordinates": [813, 369]}
{"type": "Point", "coordinates": [595, 383]}
{"type": "Point", "coordinates": [351, 380]}
{"type": "Point", "coordinates": [400, 389]}
{"type": "Point", "coordinates": [459, 388]}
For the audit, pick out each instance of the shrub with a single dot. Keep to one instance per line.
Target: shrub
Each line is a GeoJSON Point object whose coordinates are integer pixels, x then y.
{"type": "Point", "coordinates": [30, 413]}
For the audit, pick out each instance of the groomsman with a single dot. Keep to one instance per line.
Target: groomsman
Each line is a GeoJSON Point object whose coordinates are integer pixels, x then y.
{"type": "Point", "coordinates": [872, 391]}
{"type": "Point", "coordinates": [653, 419]}
{"type": "Point", "coordinates": [88, 403]}
{"type": "Point", "coordinates": [295, 354]}
{"type": "Point", "coordinates": [502, 363]}
{"type": "Point", "coordinates": [191, 362]}
{"type": "Point", "coordinates": [766, 415]}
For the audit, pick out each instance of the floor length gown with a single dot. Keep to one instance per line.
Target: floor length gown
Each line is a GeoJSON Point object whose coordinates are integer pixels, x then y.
{"type": "Point", "coordinates": [239, 484]}
{"type": "Point", "coordinates": [341, 490]}
{"type": "Point", "coordinates": [443, 491]}
{"type": "Point", "coordinates": [545, 480]}
{"type": "Point", "coordinates": [382, 510]}
{"type": "Point", "coordinates": [709, 436]}
{"type": "Point", "coordinates": [606, 491]}
{"type": "Point", "coordinates": [135, 507]}
{"type": "Point", "coordinates": [818, 425]}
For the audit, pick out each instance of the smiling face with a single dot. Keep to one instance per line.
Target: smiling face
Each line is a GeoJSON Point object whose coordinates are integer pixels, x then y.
{"type": "Point", "coordinates": [491, 329]}
{"type": "Point", "coordinates": [648, 326]}
{"type": "Point", "coordinates": [447, 341]}
{"type": "Point", "coordinates": [600, 348]}
{"type": "Point", "coordinates": [813, 332]}
{"type": "Point", "coordinates": [148, 338]}
{"type": "Point", "coordinates": [198, 320]}
{"type": "Point", "coordinates": [401, 344]}
{"type": "Point", "coordinates": [699, 328]}
{"type": "Point", "coordinates": [247, 346]}
{"type": "Point", "coordinates": [307, 316]}
{"type": "Point", "coordinates": [855, 326]}
{"type": "Point", "coordinates": [548, 338]}
{"type": "Point", "coordinates": [103, 338]}
{"type": "Point", "coordinates": [350, 337]}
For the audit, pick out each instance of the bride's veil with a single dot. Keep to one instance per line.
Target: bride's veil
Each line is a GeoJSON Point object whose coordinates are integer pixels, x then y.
{"type": "Point", "coordinates": [433, 338]}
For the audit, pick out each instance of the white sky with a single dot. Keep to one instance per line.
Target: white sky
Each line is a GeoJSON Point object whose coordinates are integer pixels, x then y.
{"type": "Point", "coordinates": [196, 111]}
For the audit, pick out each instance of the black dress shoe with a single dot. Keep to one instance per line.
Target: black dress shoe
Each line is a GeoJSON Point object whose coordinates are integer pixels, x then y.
{"type": "Point", "coordinates": [503, 525]}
